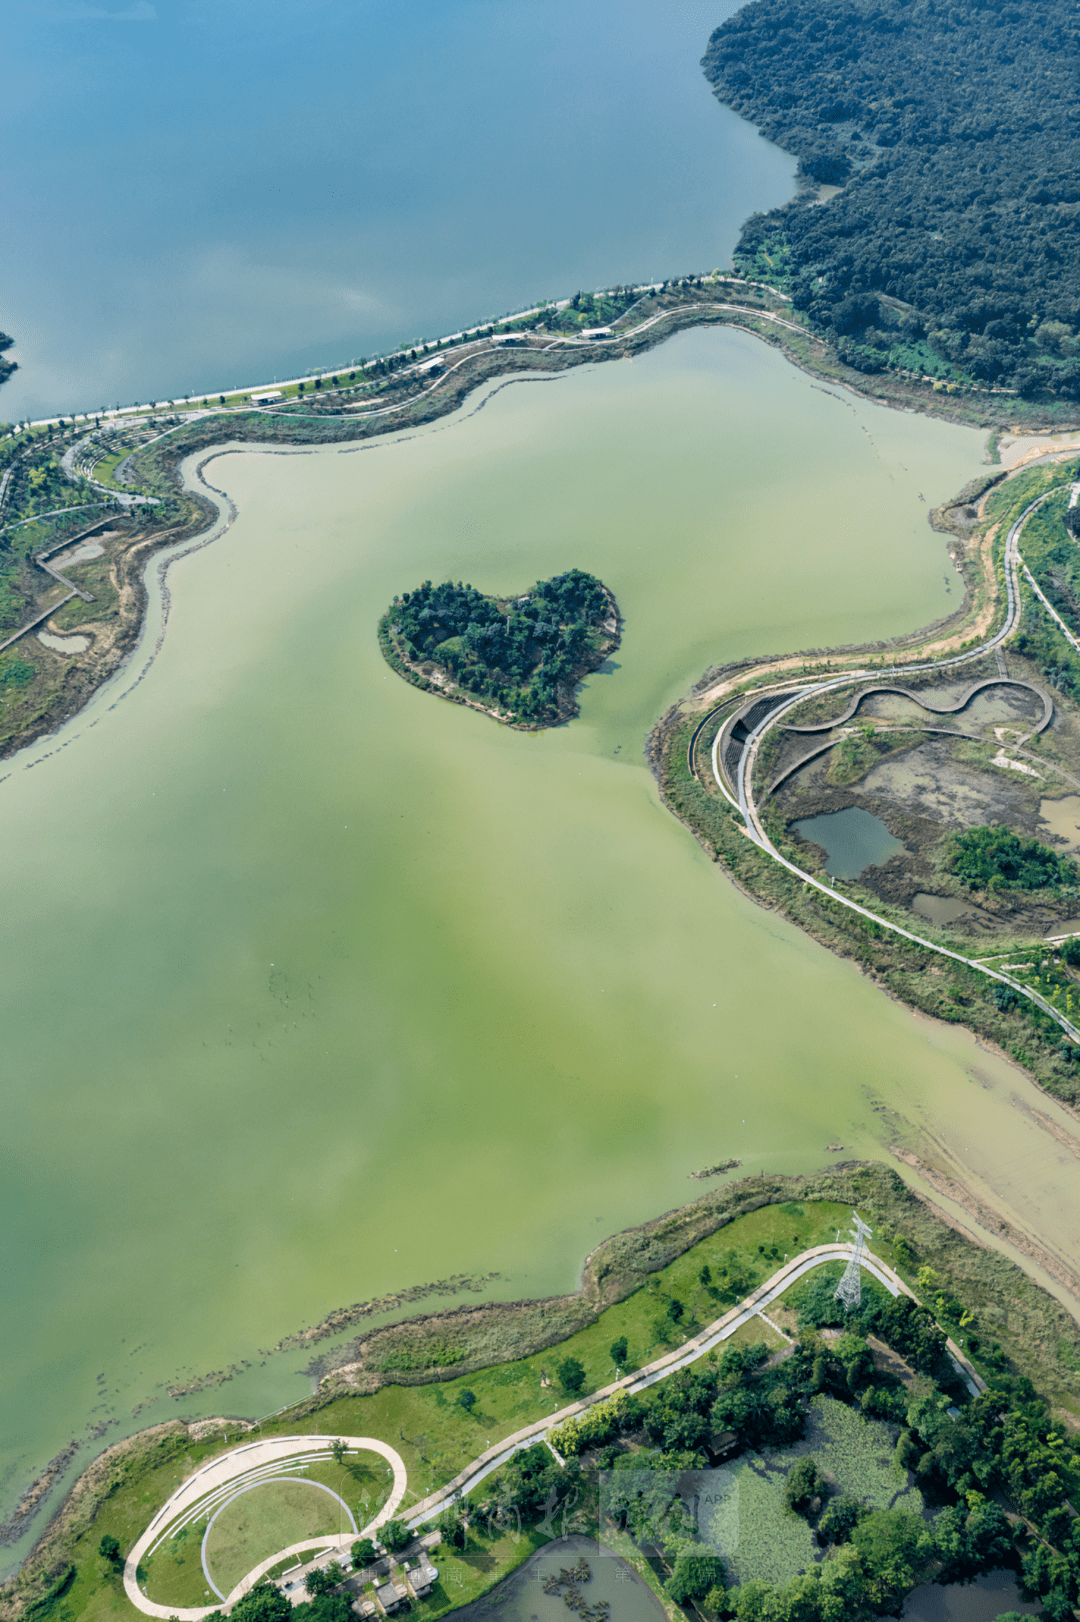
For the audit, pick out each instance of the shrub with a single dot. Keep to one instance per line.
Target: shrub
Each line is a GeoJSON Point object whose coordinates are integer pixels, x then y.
{"type": "Point", "coordinates": [993, 857]}
{"type": "Point", "coordinates": [571, 1373]}
{"type": "Point", "coordinates": [696, 1572]}
{"type": "Point", "coordinates": [804, 1487]}
{"type": "Point", "coordinates": [324, 1578]}
{"type": "Point", "coordinates": [840, 1519]}
{"type": "Point", "coordinates": [597, 1424]}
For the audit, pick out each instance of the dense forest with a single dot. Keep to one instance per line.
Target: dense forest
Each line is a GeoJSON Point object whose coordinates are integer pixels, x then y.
{"type": "Point", "coordinates": [523, 656]}
{"type": "Point", "coordinates": [952, 128]}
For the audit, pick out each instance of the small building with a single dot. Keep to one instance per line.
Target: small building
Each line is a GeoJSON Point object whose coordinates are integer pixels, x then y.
{"type": "Point", "coordinates": [390, 1596]}
{"type": "Point", "coordinates": [507, 338]}
{"type": "Point", "coordinates": [719, 1445]}
{"type": "Point", "coordinates": [422, 1576]}
{"type": "Point", "coordinates": [596, 332]}
{"type": "Point", "coordinates": [432, 365]}
{"type": "Point", "coordinates": [365, 1607]}
{"type": "Point", "coordinates": [269, 398]}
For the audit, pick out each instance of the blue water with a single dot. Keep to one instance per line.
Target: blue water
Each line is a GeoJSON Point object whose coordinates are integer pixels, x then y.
{"type": "Point", "coordinates": [852, 840]}
{"type": "Point", "coordinates": [202, 194]}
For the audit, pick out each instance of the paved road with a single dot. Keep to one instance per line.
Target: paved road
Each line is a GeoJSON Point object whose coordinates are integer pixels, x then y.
{"type": "Point", "coordinates": [686, 1354]}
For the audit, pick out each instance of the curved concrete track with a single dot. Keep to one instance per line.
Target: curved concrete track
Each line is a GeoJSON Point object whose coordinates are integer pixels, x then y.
{"type": "Point", "coordinates": [305, 1481]}
{"type": "Point", "coordinates": [689, 1352]}
{"type": "Point", "coordinates": [210, 1488]}
{"type": "Point", "coordinates": [933, 709]}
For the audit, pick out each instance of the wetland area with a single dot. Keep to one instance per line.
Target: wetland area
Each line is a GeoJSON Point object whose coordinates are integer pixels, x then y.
{"type": "Point", "coordinates": [368, 991]}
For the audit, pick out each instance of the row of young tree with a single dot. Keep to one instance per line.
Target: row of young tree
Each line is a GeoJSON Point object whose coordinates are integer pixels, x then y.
{"type": "Point", "coordinates": [954, 132]}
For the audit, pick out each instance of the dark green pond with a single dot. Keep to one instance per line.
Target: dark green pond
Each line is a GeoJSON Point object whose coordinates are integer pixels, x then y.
{"type": "Point", "coordinates": [852, 840]}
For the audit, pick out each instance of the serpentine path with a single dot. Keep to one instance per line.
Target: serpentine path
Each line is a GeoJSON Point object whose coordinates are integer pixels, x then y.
{"type": "Point", "coordinates": [735, 783]}
{"type": "Point", "coordinates": [217, 1483]}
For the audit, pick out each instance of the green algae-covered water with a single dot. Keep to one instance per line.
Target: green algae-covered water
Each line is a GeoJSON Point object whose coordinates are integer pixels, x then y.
{"type": "Point", "coordinates": [315, 987]}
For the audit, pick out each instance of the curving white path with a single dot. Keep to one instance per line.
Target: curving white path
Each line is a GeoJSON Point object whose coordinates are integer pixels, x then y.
{"type": "Point", "coordinates": [221, 1479]}
{"type": "Point", "coordinates": [233, 1472]}
{"type": "Point", "coordinates": [709, 1337]}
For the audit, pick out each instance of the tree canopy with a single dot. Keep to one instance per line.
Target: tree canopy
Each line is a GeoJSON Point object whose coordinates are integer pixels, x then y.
{"type": "Point", "coordinates": [953, 130]}
{"type": "Point", "coordinates": [524, 655]}
{"type": "Point", "coordinates": [6, 366]}
{"type": "Point", "coordinates": [995, 857]}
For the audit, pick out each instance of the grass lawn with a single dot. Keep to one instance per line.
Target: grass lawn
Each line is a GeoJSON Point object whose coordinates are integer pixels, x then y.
{"type": "Point", "coordinates": [269, 1517]}
{"type": "Point", "coordinates": [437, 1438]}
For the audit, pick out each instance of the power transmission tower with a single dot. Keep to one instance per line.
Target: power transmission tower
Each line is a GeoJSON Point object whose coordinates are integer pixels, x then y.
{"type": "Point", "coordinates": [849, 1289]}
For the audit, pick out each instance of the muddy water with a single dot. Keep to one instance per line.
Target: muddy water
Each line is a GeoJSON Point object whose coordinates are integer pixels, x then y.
{"type": "Point", "coordinates": [1062, 819]}
{"type": "Point", "coordinates": [315, 987]}
{"type": "Point", "coordinates": [852, 840]}
{"type": "Point", "coordinates": [520, 1597]}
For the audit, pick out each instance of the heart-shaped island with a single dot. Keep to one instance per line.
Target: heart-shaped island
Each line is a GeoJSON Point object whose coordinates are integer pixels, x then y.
{"type": "Point", "coordinates": [519, 659]}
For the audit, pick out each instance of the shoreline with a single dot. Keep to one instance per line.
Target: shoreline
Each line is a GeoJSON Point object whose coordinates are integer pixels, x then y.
{"type": "Point", "coordinates": [408, 403]}
{"type": "Point", "coordinates": [198, 532]}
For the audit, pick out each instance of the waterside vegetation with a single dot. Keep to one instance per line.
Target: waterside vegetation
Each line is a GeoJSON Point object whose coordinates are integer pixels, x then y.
{"type": "Point", "coordinates": [1017, 885]}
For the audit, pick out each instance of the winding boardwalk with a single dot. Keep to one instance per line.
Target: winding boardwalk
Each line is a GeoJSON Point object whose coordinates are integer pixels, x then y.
{"type": "Point", "coordinates": [933, 709]}
{"type": "Point", "coordinates": [241, 1469]}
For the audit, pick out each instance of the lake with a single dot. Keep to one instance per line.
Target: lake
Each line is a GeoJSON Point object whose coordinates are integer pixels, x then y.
{"type": "Point", "coordinates": [316, 987]}
{"type": "Point", "coordinates": [259, 189]}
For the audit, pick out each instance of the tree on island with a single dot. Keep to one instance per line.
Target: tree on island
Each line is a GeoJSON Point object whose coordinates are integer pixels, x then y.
{"type": "Point", "coordinates": [522, 656]}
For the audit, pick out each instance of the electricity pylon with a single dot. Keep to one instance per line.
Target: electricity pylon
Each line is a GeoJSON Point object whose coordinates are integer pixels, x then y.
{"type": "Point", "coordinates": [849, 1289]}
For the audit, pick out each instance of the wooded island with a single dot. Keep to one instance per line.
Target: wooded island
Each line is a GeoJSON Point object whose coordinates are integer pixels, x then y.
{"type": "Point", "coordinates": [519, 659]}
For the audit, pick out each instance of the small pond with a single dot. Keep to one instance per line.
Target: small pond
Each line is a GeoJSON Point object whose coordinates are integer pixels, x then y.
{"type": "Point", "coordinates": [981, 1600]}
{"type": "Point", "coordinates": [852, 840]}
{"type": "Point", "coordinates": [941, 909]}
{"type": "Point", "coordinates": [521, 1597]}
